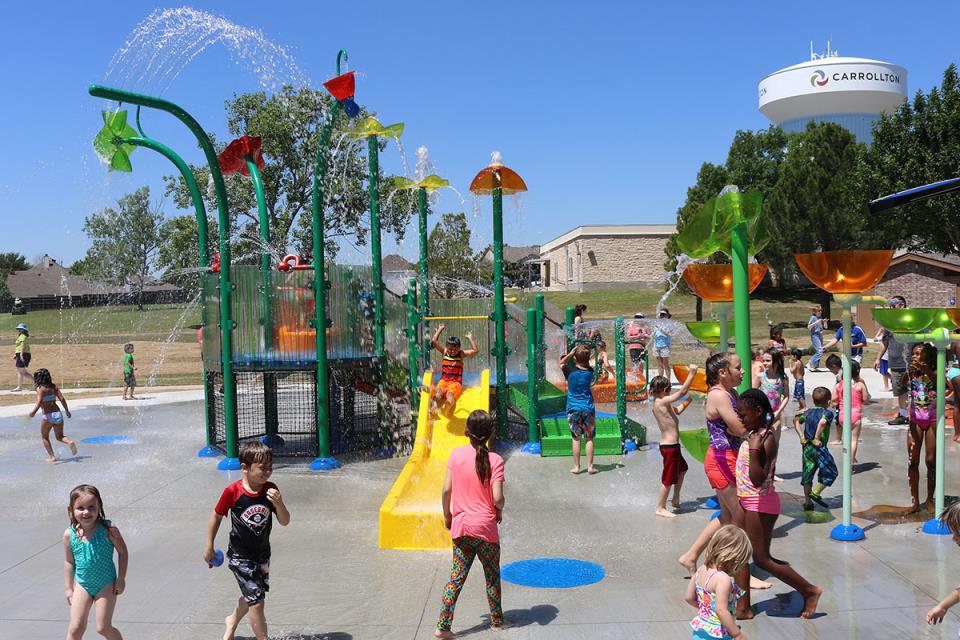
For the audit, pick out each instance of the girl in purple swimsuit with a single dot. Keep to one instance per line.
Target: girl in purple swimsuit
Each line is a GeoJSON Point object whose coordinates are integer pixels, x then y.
{"type": "Point", "coordinates": [923, 415]}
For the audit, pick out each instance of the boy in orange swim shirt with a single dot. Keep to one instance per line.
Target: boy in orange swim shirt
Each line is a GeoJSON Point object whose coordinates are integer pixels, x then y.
{"type": "Point", "coordinates": [446, 391]}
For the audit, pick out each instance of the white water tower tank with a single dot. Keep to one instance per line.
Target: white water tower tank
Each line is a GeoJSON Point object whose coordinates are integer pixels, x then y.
{"type": "Point", "coordinates": [851, 92]}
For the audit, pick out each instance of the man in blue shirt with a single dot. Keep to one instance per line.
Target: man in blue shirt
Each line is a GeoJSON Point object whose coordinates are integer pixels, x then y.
{"type": "Point", "coordinates": [858, 340]}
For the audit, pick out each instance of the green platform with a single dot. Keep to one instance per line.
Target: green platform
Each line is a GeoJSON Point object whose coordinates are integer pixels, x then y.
{"type": "Point", "coordinates": [555, 437]}
{"type": "Point", "coordinates": [550, 399]}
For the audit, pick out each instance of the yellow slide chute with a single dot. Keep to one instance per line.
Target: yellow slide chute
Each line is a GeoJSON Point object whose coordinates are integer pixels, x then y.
{"type": "Point", "coordinates": [411, 516]}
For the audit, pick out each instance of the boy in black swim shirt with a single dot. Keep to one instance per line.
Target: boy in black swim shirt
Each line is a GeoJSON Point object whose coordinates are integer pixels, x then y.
{"type": "Point", "coordinates": [251, 503]}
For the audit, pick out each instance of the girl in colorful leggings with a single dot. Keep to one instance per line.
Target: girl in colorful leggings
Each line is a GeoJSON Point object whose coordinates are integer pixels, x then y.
{"type": "Point", "coordinates": [472, 508]}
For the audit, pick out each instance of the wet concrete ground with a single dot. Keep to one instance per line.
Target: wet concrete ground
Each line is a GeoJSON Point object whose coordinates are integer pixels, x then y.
{"type": "Point", "coordinates": [329, 579]}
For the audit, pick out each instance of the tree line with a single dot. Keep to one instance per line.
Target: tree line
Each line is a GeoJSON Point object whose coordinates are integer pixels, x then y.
{"type": "Point", "coordinates": [816, 183]}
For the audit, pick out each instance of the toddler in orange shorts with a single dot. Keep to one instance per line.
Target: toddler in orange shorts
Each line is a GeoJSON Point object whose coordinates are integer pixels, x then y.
{"type": "Point", "coordinates": [447, 390]}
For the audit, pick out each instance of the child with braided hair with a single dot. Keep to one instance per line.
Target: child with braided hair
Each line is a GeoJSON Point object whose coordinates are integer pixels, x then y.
{"type": "Point", "coordinates": [472, 501]}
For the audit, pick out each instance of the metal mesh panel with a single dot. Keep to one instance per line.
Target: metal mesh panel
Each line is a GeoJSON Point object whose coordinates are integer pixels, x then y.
{"type": "Point", "coordinates": [354, 420]}
{"type": "Point", "coordinates": [215, 409]}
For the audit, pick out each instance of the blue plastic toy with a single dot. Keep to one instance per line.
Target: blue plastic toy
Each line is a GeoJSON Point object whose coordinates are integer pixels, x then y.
{"type": "Point", "coordinates": [217, 558]}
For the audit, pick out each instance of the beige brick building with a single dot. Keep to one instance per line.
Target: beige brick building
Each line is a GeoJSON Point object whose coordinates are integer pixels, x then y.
{"type": "Point", "coordinates": [602, 256]}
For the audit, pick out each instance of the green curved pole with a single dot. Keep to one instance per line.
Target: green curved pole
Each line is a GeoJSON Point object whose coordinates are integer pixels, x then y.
{"type": "Point", "coordinates": [413, 348]}
{"type": "Point", "coordinates": [265, 275]}
{"type": "Point", "coordinates": [324, 461]}
{"type": "Point", "coordinates": [741, 300]}
{"type": "Point", "coordinates": [226, 286]}
{"type": "Point", "coordinates": [202, 237]}
{"type": "Point", "coordinates": [373, 180]}
{"type": "Point", "coordinates": [500, 315]}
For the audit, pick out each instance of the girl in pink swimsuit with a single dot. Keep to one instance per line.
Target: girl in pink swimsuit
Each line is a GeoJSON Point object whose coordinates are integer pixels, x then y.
{"type": "Point", "coordinates": [923, 415]}
{"type": "Point", "coordinates": [760, 502]}
{"type": "Point", "coordinates": [859, 395]}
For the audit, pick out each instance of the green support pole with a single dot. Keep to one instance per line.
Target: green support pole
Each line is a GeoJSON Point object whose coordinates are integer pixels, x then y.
{"type": "Point", "coordinates": [741, 299]}
{"type": "Point", "coordinates": [846, 531]}
{"type": "Point", "coordinates": [620, 373]}
{"type": "Point", "coordinates": [941, 425]}
{"type": "Point", "coordinates": [541, 337]}
{"type": "Point", "coordinates": [500, 316]}
{"type": "Point", "coordinates": [568, 319]}
{"type": "Point", "coordinates": [373, 164]}
{"type": "Point", "coordinates": [532, 445]}
{"type": "Point", "coordinates": [324, 460]}
{"type": "Point", "coordinates": [413, 345]}
{"type": "Point", "coordinates": [424, 275]}
{"type": "Point", "coordinates": [265, 279]}
{"type": "Point", "coordinates": [231, 462]}
{"type": "Point", "coordinates": [200, 209]}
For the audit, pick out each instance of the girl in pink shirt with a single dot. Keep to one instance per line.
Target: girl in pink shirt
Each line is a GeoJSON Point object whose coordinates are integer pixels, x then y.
{"type": "Point", "coordinates": [472, 507]}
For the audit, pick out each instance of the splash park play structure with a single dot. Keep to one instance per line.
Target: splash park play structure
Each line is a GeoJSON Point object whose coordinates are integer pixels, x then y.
{"type": "Point", "coordinates": [312, 358]}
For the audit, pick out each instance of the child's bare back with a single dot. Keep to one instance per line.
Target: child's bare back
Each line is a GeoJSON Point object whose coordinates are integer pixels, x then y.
{"type": "Point", "coordinates": [667, 419]}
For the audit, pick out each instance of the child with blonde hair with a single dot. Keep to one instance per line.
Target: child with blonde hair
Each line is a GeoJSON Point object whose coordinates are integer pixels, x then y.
{"type": "Point", "coordinates": [713, 590]}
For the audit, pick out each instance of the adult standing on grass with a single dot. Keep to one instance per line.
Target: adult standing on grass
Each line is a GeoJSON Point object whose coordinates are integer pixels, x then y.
{"type": "Point", "coordinates": [815, 325]}
{"type": "Point", "coordinates": [897, 365]}
{"type": "Point", "coordinates": [21, 355]}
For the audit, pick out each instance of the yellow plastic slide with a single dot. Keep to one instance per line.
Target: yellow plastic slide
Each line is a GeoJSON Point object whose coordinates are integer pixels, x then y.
{"type": "Point", "coordinates": [411, 516]}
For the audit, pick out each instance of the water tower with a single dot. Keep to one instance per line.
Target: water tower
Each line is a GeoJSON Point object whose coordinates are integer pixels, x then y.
{"type": "Point", "coordinates": [851, 92]}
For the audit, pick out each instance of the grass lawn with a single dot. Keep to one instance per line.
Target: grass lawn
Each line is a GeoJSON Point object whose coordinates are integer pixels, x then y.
{"type": "Point", "coordinates": [109, 324]}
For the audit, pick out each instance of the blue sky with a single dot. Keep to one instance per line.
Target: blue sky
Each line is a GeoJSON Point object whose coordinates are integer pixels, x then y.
{"type": "Point", "coordinates": [606, 109]}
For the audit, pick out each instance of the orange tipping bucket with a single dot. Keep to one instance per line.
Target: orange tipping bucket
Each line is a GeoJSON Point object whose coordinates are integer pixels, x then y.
{"type": "Point", "coordinates": [714, 282]}
{"type": "Point", "coordinates": [699, 378]}
{"type": "Point", "coordinates": [845, 271]}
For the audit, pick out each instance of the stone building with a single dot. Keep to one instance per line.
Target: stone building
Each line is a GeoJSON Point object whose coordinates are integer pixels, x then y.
{"type": "Point", "coordinates": [599, 256]}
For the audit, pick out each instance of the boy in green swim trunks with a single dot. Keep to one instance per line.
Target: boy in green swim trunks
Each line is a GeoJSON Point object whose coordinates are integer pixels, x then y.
{"type": "Point", "coordinates": [816, 456]}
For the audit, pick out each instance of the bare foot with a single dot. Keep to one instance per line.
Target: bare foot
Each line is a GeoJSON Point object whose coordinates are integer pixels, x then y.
{"type": "Point", "coordinates": [125, 398]}
{"type": "Point", "coordinates": [231, 627]}
{"type": "Point", "coordinates": [777, 478]}
{"type": "Point", "coordinates": [663, 513]}
{"type": "Point", "coordinates": [688, 563]}
{"type": "Point", "coordinates": [675, 502]}
{"type": "Point", "coordinates": [575, 470]}
{"type": "Point", "coordinates": [836, 442]}
{"type": "Point", "coordinates": [503, 624]}
{"type": "Point", "coordinates": [73, 448]}
{"type": "Point", "coordinates": [810, 603]}
{"type": "Point", "coordinates": [443, 634]}
{"type": "Point", "coordinates": [929, 505]}
{"type": "Point", "coordinates": [745, 614]}
{"type": "Point", "coordinates": [808, 506]}
{"type": "Point", "coordinates": [51, 459]}
{"type": "Point", "coordinates": [913, 508]}
{"type": "Point", "coordinates": [756, 584]}
{"type": "Point", "coordinates": [591, 470]}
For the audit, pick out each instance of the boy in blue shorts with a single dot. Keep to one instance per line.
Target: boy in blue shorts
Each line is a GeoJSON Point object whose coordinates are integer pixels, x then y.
{"type": "Point", "coordinates": [581, 412]}
{"type": "Point", "coordinates": [817, 459]}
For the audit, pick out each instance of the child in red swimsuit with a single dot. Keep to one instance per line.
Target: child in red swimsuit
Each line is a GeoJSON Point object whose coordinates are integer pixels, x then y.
{"type": "Point", "coordinates": [923, 415]}
{"type": "Point", "coordinates": [447, 390]}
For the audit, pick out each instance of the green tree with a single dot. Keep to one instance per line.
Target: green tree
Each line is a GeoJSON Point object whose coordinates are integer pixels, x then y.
{"type": "Point", "coordinates": [125, 242]}
{"type": "Point", "coordinates": [451, 257]}
{"type": "Point", "coordinates": [289, 123]}
{"type": "Point", "coordinates": [9, 262]}
{"type": "Point", "coordinates": [818, 202]}
{"type": "Point", "coordinates": [179, 254]}
{"type": "Point", "coordinates": [916, 145]}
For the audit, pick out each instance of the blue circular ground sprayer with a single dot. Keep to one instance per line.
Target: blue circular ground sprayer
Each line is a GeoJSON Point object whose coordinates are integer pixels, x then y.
{"type": "Point", "coordinates": [217, 559]}
{"type": "Point", "coordinates": [552, 573]}
{"type": "Point", "coordinates": [324, 464]}
{"type": "Point", "coordinates": [847, 533]}
{"type": "Point", "coordinates": [208, 452]}
{"type": "Point", "coordinates": [936, 527]}
{"type": "Point", "coordinates": [531, 449]}
{"type": "Point", "coordinates": [229, 464]}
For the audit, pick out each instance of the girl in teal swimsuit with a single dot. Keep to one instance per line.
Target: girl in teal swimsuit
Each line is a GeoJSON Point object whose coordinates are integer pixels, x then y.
{"type": "Point", "coordinates": [51, 417]}
{"type": "Point", "coordinates": [89, 573]}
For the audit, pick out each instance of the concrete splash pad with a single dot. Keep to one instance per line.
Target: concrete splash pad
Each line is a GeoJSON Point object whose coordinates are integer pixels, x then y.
{"type": "Point", "coordinates": [330, 580]}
